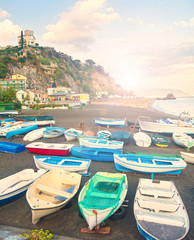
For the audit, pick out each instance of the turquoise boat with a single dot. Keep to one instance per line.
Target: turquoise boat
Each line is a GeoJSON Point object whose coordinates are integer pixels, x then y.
{"type": "Point", "coordinates": [102, 196]}
{"type": "Point", "coordinates": [32, 117]}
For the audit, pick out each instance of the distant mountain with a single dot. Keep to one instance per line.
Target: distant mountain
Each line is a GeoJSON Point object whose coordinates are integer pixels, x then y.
{"type": "Point", "coordinates": [159, 93]}
{"type": "Point", "coordinates": [44, 66]}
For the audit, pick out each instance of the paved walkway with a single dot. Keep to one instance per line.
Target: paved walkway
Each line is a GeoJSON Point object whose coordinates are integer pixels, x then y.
{"type": "Point", "coordinates": [12, 233]}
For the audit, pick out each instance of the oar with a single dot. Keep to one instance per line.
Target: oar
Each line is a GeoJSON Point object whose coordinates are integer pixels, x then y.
{"type": "Point", "coordinates": [22, 178]}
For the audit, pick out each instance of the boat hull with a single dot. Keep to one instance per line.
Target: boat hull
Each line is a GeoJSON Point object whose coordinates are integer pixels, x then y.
{"type": "Point", "coordinates": [46, 151]}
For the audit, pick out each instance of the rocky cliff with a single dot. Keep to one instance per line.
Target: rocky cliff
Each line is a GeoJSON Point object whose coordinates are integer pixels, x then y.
{"type": "Point", "coordinates": [45, 66]}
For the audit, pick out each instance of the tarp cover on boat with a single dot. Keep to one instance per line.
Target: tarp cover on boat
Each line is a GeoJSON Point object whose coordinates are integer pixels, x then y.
{"type": "Point", "coordinates": [121, 136]}
{"type": "Point", "coordinates": [103, 192]}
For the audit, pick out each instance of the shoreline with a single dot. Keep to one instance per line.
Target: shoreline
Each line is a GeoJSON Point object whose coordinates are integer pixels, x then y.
{"type": "Point", "coordinates": [67, 222]}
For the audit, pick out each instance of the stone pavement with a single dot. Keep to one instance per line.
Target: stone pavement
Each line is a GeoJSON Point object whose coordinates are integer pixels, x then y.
{"type": "Point", "coordinates": [12, 233]}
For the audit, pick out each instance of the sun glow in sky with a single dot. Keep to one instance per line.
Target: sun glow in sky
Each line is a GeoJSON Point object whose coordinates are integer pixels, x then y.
{"type": "Point", "coordinates": [142, 44]}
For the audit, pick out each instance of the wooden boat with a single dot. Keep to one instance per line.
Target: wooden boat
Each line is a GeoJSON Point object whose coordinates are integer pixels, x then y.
{"type": "Point", "coordinates": [110, 122]}
{"type": "Point", "coordinates": [159, 210]}
{"type": "Point", "coordinates": [32, 117]}
{"type": "Point", "coordinates": [11, 147]}
{"type": "Point", "coordinates": [52, 132]}
{"type": "Point", "coordinates": [50, 148]}
{"type": "Point", "coordinates": [149, 125]}
{"type": "Point", "coordinates": [121, 136]}
{"type": "Point", "coordinates": [159, 140]}
{"type": "Point", "coordinates": [34, 135]}
{"type": "Point", "coordinates": [183, 140]}
{"type": "Point", "coordinates": [188, 157]}
{"type": "Point", "coordinates": [95, 154]}
{"type": "Point", "coordinates": [100, 143]}
{"type": "Point", "coordinates": [101, 196]}
{"type": "Point", "coordinates": [51, 192]}
{"type": "Point", "coordinates": [148, 164]}
{"type": "Point", "coordinates": [15, 185]}
{"type": "Point", "coordinates": [70, 164]}
{"type": "Point", "coordinates": [142, 139]}
{"type": "Point", "coordinates": [21, 130]}
{"type": "Point", "coordinates": [72, 133]}
{"type": "Point", "coordinates": [156, 154]}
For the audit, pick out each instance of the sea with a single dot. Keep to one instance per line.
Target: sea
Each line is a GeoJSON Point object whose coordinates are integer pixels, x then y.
{"type": "Point", "coordinates": [182, 107]}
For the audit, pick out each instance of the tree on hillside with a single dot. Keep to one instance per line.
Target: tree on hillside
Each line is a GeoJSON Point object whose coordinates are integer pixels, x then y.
{"type": "Point", "coordinates": [3, 70]}
{"type": "Point", "coordinates": [22, 40]}
{"type": "Point", "coordinates": [90, 63]}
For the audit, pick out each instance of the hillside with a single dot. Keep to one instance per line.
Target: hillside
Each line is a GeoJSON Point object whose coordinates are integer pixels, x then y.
{"type": "Point", "coordinates": [44, 66]}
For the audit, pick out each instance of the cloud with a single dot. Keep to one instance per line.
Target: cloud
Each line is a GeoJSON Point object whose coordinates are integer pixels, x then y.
{"type": "Point", "coordinates": [4, 13]}
{"type": "Point", "coordinates": [77, 27]}
{"type": "Point", "coordinates": [182, 23]}
{"type": "Point", "coordinates": [8, 32]}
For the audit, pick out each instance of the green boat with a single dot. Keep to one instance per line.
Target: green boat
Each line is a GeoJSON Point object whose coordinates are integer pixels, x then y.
{"type": "Point", "coordinates": [159, 140]}
{"type": "Point", "coordinates": [102, 196]}
{"type": "Point", "coordinates": [32, 117]}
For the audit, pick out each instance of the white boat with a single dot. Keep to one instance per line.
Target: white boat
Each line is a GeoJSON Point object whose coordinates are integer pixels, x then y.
{"type": "Point", "coordinates": [102, 196]}
{"type": "Point", "coordinates": [183, 140]}
{"type": "Point", "coordinates": [72, 133]}
{"type": "Point", "coordinates": [142, 139]}
{"type": "Point", "coordinates": [70, 164]}
{"type": "Point", "coordinates": [159, 210]}
{"type": "Point", "coordinates": [15, 185]}
{"type": "Point", "coordinates": [188, 157]}
{"type": "Point", "coordinates": [148, 164]}
{"type": "Point", "coordinates": [51, 192]}
{"type": "Point", "coordinates": [34, 135]}
{"type": "Point", "coordinates": [110, 122]}
{"type": "Point", "coordinates": [147, 124]}
{"type": "Point", "coordinates": [100, 143]}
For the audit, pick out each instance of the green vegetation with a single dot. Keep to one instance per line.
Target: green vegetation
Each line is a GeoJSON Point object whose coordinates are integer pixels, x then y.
{"type": "Point", "coordinates": [45, 61]}
{"type": "Point", "coordinates": [38, 235]}
{"type": "Point", "coordinates": [3, 70]}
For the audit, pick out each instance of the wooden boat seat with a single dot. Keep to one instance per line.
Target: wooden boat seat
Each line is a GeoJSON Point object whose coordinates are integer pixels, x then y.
{"type": "Point", "coordinates": [158, 204]}
{"type": "Point", "coordinates": [157, 192]}
{"type": "Point", "coordinates": [160, 218]}
{"type": "Point", "coordinates": [67, 180]}
{"type": "Point", "coordinates": [103, 195]}
{"type": "Point", "coordinates": [53, 191]}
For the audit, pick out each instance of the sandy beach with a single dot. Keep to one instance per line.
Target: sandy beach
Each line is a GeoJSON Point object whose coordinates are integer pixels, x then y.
{"type": "Point", "coordinates": [67, 222]}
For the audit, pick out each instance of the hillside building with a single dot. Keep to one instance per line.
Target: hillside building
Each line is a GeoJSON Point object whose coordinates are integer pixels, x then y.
{"type": "Point", "coordinates": [18, 82]}
{"type": "Point", "coordinates": [28, 37]}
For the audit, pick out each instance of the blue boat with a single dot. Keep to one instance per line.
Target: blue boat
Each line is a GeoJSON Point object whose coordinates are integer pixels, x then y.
{"type": "Point", "coordinates": [12, 147]}
{"type": "Point", "coordinates": [96, 154]}
{"type": "Point", "coordinates": [21, 131]}
{"type": "Point", "coordinates": [52, 132]}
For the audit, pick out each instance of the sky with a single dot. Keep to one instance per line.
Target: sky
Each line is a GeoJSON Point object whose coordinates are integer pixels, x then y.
{"type": "Point", "coordinates": [141, 43]}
